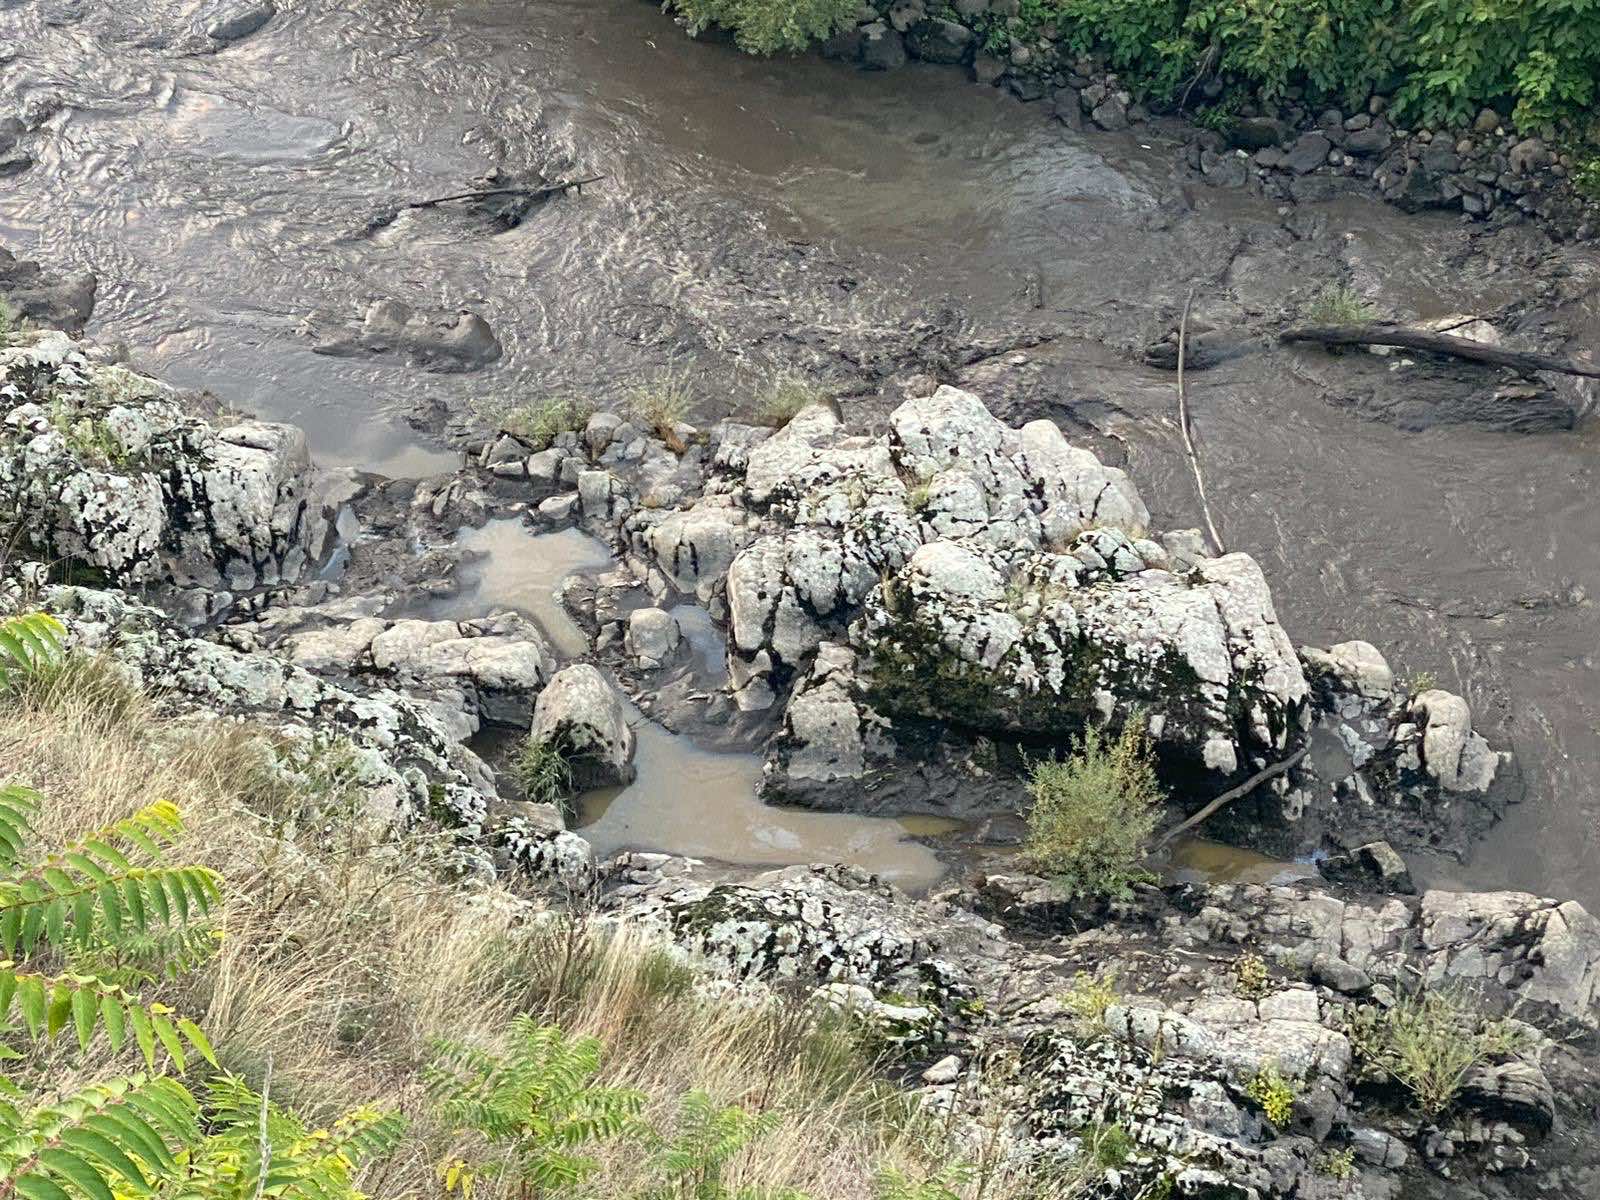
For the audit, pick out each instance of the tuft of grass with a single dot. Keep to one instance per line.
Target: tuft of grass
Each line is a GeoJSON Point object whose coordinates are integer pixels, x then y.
{"type": "Point", "coordinates": [1339, 304]}
{"type": "Point", "coordinates": [1429, 1042]}
{"type": "Point", "coordinates": [1092, 813]}
{"type": "Point", "coordinates": [663, 403]}
{"type": "Point", "coordinates": [1250, 976]}
{"type": "Point", "coordinates": [785, 396]}
{"type": "Point", "coordinates": [539, 422]}
{"type": "Point", "coordinates": [543, 772]}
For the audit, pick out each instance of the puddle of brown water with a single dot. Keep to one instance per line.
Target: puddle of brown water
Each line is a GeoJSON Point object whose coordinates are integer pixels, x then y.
{"type": "Point", "coordinates": [694, 802]}
{"type": "Point", "coordinates": [522, 571]}
{"type": "Point", "coordinates": [1196, 860]}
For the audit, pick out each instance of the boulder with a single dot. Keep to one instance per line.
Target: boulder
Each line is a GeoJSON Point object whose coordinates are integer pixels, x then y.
{"type": "Point", "coordinates": [584, 716]}
{"type": "Point", "coordinates": [238, 19]}
{"type": "Point", "coordinates": [940, 41]}
{"type": "Point", "coordinates": [652, 638]}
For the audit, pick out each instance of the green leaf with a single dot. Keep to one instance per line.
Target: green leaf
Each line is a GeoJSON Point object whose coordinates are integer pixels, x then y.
{"type": "Point", "coordinates": [143, 1033]}
{"type": "Point", "coordinates": [198, 1040]}
{"type": "Point", "coordinates": [112, 1016]}
{"type": "Point", "coordinates": [85, 1010]}
{"type": "Point", "coordinates": [169, 1039]}
{"type": "Point", "coordinates": [37, 1187]}
{"type": "Point", "coordinates": [87, 1141]}
{"type": "Point", "coordinates": [73, 1169]}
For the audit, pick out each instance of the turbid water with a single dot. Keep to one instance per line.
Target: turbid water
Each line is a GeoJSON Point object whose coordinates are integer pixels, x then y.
{"type": "Point", "coordinates": [761, 213]}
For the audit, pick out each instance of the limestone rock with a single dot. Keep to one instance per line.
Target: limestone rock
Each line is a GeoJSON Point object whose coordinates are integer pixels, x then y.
{"type": "Point", "coordinates": [582, 714]}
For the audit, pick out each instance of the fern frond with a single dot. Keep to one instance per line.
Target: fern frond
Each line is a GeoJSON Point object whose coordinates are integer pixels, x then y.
{"type": "Point", "coordinates": [294, 1162]}
{"type": "Point", "coordinates": [111, 1137]}
{"type": "Point", "coordinates": [28, 641]}
{"type": "Point", "coordinates": [93, 884]}
{"type": "Point", "coordinates": [19, 805]}
{"type": "Point", "coordinates": [48, 1004]}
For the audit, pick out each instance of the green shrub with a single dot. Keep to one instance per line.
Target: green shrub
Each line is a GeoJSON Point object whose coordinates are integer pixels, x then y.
{"type": "Point", "coordinates": [1092, 813]}
{"type": "Point", "coordinates": [767, 26]}
{"type": "Point", "coordinates": [1429, 1042]}
{"type": "Point", "coordinates": [1273, 1093]}
{"type": "Point", "coordinates": [1090, 996]}
{"type": "Point", "coordinates": [539, 422]}
{"type": "Point", "coordinates": [1586, 178]}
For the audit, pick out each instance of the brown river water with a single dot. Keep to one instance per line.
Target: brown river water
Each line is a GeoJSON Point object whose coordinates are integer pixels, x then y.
{"type": "Point", "coordinates": [793, 213]}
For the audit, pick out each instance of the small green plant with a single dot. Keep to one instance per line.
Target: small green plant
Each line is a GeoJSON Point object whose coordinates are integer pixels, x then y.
{"type": "Point", "coordinates": [1220, 117]}
{"type": "Point", "coordinates": [540, 422]}
{"type": "Point", "coordinates": [1273, 1093]}
{"type": "Point", "coordinates": [1250, 976]}
{"type": "Point", "coordinates": [1419, 682]}
{"type": "Point", "coordinates": [689, 1163]}
{"type": "Point", "coordinates": [29, 643]}
{"type": "Point", "coordinates": [1429, 1042]}
{"type": "Point", "coordinates": [944, 1182]}
{"type": "Point", "coordinates": [1586, 178]}
{"type": "Point", "coordinates": [1090, 996]}
{"type": "Point", "coordinates": [1108, 1144]}
{"type": "Point", "coordinates": [1337, 1164]}
{"type": "Point", "coordinates": [1339, 304]}
{"type": "Point", "coordinates": [1093, 812]}
{"type": "Point", "coordinates": [785, 396]}
{"type": "Point", "coordinates": [537, 1107]}
{"type": "Point", "coordinates": [917, 497]}
{"type": "Point", "coordinates": [662, 404]}
{"type": "Point", "coordinates": [543, 772]}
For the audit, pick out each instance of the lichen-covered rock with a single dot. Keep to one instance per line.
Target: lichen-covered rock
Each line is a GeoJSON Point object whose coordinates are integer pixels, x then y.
{"type": "Point", "coordinates": [584, 716]}
{"type": "Point", "coordinates": [108, 471]}
{"type": "Point", "coordinates": [652, 639]}
{"type": "Point", "coordinates": [413, 763]}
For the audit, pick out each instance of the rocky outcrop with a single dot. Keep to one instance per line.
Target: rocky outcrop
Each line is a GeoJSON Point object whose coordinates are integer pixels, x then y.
{"type": "Point", "coordinates": [108, 471]}
{"type": "Point", "coordinates": [1202, 991]}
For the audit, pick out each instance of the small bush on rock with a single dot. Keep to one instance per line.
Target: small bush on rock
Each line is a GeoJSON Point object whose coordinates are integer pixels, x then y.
{"type": "Point", "coordinates": [786, 396]}
{"type": "Point", "coordinates": [539, 422]}
{"type": "Point", "coordinates": [1093, 811]}
{"type": "Point", "coordinates": [1339, 304]}
{"type": "Point", "coordinates": [1273, 1093]}
{"type": "Point", "coordinates": [1429, 1042]}
{"type": "Point", "coordinates": [543, 773]}
{"type": "Point", "coordinates": [662, 403]}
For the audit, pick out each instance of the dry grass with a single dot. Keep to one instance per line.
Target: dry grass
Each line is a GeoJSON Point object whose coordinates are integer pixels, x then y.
{"type": "Point", "coordinates": [345, 954]}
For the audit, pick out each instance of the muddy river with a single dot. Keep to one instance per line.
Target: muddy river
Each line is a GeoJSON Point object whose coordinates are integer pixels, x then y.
{"type": "Point", "coordinates": [239, 203]}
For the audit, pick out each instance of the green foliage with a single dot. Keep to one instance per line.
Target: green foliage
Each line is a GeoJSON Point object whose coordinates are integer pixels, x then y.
{"type": "Point", "coordinates": [1273, 1093]}
{"type": "Point", "coordinates": [945, 1183]}
{"type": "Point", "coordinates": [28, 642]}
{"type": "Point", "coordinates": [255, 1148]}
{"type": "Point", "coordinates": [1339, 304]}
{"type": "Point", "coordinates": [1092, 813]}
{"type": "Point", "coordinates": [1429, 1042]}
{"type": "Point", "coordinates": [768, 26]}
{"type": "Point", "coordinates": [706, 1137]}
{"type": "Point", "coordinates": [1586, 178]}
{"type": "Point", "coordinates": [112, 879]}
{"type": "Point", "coordinates": [1090, 996]}
{"type": "Point", "coordinates": [538, 423]}
{"type": "Point", "coordinates": [1337, 1164]}
{"type": "Point", "coordinates": [537, 1107]}
{"type": "Point", "coordinates": [543, 772]}
{"type": "Point", "coordinates": [1250, 976]}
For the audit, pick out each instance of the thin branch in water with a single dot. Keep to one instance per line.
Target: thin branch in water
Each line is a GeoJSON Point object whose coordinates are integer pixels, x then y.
{"type": "Point", "coordinates": [1188, 431]}
{"type": "Point", "coordinates": [1233, 793]}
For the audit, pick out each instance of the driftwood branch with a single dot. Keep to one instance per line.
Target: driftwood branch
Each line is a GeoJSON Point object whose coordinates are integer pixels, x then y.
{"type": "Point", "coordinates": [1436, 343]}
{"type": "Point", "coordinates": [539, 193]}
{"type": "Point", "coordinates": [1188, 431]}
{"type": "Point", "coordinates": [1233, 793]}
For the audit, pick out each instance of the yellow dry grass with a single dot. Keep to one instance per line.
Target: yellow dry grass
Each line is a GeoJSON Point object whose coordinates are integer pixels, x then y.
{"type": "Point", "coordinates": [346, 952]}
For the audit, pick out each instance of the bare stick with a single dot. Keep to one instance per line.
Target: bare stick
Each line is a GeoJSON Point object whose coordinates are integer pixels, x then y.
{"type": "Point", "coordinates": [1436, 343]}
{"type": "Point", "coordinates": [1233, 793]}
{"type": "Point", "coordinates": [1188, 433]}
{"type": "Point", "coordinates": [531, 193]}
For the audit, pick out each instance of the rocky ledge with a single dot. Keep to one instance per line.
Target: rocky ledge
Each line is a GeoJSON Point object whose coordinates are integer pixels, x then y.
{"type": "Point", "coordinates": [907, 610]}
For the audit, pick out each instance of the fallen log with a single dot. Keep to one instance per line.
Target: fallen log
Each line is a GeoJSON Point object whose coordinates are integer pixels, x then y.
{"type": "Point", "coordinates": [532, 194]}
{"type": "Point", "coordinates": [1436, 343]}
{"type": "Point", "coordinates": [1233, 793]}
